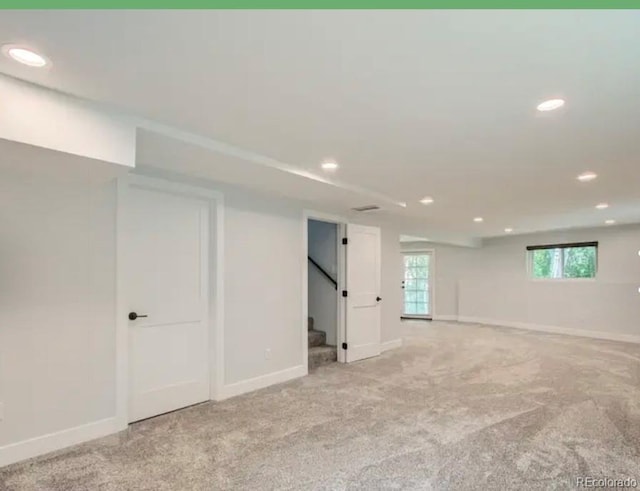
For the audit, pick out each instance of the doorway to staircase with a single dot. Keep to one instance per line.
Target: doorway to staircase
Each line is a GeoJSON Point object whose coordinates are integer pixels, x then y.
{"type": "Point", "coordinates": [322, 292]}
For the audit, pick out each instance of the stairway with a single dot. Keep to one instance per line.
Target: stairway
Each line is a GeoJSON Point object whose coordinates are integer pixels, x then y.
{"type": "Point", "coordinates": [319, 352]}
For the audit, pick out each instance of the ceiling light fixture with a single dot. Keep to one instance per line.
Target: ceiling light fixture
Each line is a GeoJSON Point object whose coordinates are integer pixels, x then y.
{"type": "Point", "coordinates": [550, 105]}
{"type": "Point", "coordinates": [427, 200]}
{"type": "Point", "coordinates": [24, 55]}
{"type": "Point", "coordinates": [508, 230]}
{"type": "Point", "coordinates": [478, 219]}
{"type": "Point", "coordinates": [602, 206]}
{"type": "Point", "coordinates": [329, 165]}
{"type": "Point", "coordinates": [609, 222]}
{"type": "Point", "coordinates": [587, 176]}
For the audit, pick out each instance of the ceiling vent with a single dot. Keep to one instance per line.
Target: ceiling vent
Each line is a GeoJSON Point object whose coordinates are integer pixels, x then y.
{"type": "Point", "coordinates": [366, 208]}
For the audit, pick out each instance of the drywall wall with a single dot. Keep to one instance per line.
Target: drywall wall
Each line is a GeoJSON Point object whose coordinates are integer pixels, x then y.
{"type": "Point", "coordinates": [49, 119]}
{"type": "Point", "coordinates": [57, 292]}
{"type": "Point", "coordinates": [322, 294]}
{"type": "Point", "coordinates": [58, 299]}
{"type": "Point", "coordinates": [496, 286]}
{"type": "Point", "coordinates": [263, 291]}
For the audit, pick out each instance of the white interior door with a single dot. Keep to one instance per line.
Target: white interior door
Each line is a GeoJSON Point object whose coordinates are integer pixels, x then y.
{"type": "Point", "coordinates": [166, 254]}
{"type": "Point", "coordinates": [363, 286]}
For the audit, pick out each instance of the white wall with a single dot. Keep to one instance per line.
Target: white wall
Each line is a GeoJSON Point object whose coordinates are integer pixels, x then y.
{"type": "Point", "coordinates": [323, 299]}
{"type": "Point", "coordinates": [57, 293]}
{"type": "Point", "coordinates": [263, 291]}
{"type": "Point", "coordinates": [49, 119]}
{"type": "Point", "coordinates": [57, 296]}
{"type": "Point", "coordinates": [497, 287]}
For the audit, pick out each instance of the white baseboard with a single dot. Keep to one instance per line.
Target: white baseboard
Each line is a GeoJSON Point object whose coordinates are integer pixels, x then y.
{"type": "Point", "coordinates": [393, 344]}
{"type": "Point", "coordinates": [445, 317]}
{"type": "Point", "coordinates": [570, 331]}
{"type": "Point", "coordinates": [33, 447]}
{"type": "Point", "coordinates": [261, 382]}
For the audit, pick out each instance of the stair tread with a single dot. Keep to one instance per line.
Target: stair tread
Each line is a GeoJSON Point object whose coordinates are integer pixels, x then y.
{"type": "Point", "coordinates": [324, 347]}
{"type": "Point", "coordinates": [316, 338]}
{"type": "Point", "coordinates": [322, 355]}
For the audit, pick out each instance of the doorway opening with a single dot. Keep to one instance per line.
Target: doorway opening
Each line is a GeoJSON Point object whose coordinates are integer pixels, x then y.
{"type": "Point", "coordinates": [323, 299]}
{"type": "Point", "coordinates": [417, 285]}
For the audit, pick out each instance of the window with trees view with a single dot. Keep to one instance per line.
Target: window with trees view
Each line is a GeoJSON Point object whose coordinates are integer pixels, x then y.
{"type": "Point", "coordinates": [564, 260]}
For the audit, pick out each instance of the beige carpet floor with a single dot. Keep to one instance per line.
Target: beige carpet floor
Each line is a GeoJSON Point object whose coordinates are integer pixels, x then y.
{"type": "Point", "coordinates": [458, 407]}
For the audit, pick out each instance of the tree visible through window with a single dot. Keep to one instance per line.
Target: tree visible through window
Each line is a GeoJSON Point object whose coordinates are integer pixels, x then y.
{"type": "Point", "coordinates": [564, 261]}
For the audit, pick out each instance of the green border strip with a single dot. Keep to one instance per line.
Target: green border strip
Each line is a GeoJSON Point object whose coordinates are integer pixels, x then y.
{"type": "Point", "coordinates": [319, 4]}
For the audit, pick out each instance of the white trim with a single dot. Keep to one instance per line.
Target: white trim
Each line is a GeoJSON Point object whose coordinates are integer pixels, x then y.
{"type": "Point", "coordinates": [341, 321]}
{"type": "Point", "coordinates": [216, 317]}
{"type": "Point", "coordinates": [217, 378]}
{"type": "Point", "coordinates": [58, 440]}
{"type": "Point", "coordinates": [249, 385]}
{"type": "Point", "coordinates": [341, 334]}
{"type": "Point", "coordinates": [389, 345]}
{"type": "Point", "coordinates": [569, 331]}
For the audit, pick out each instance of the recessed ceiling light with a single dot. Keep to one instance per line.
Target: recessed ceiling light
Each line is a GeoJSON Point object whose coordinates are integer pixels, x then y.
{"type": "Point", "coordinates": [427, 200]}
{"type": "Point", "coordinates": [587, 176]}
{"type": "Point", "coordinates": [478, 219]}
{"type": "Point", "coordinates": [609, 222]}
{"type": "Point", "coordinates": [329, 165]}
{"type": "Point", "coordinates": [602, 206]}
{"type": "Point", "coordinates": [24, 55]}
{"type": "Point", "coordinates": [550, 105]}
{"type": "Point", "coordinates": [508, 230]}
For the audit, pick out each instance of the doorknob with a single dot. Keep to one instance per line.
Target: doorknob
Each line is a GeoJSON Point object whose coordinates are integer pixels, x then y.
{"type": "Point", "coordinates": [378, 299]}
{"type": "Point", "coordinates": [133, 315]}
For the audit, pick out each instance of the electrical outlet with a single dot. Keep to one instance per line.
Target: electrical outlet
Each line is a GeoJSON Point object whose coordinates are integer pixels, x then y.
{"type": "Point", "coordinates": [267, 354]}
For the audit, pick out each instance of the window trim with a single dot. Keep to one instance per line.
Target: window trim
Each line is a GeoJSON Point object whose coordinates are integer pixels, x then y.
{"type": "Point", "coordinates": [567, 245]}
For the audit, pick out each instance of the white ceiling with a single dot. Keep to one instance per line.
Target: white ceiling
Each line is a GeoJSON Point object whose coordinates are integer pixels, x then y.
{"type": "Point", "coordinates": [410, 103]}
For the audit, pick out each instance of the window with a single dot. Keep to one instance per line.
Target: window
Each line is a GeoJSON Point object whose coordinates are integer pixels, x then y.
{"type": "Point", "coordinates": [416, 284]}
{"type": "Point", "coordinates": [559, 261]}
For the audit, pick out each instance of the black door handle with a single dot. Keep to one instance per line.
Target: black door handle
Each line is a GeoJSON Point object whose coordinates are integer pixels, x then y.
{"type": "Point", "coordinates": [133, 316]}
{"type": "Point", "coordinates": [378, 299]}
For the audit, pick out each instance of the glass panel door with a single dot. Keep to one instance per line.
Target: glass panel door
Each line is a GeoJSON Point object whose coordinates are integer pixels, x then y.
{"type": "Point", "coordinates": [416, 284]}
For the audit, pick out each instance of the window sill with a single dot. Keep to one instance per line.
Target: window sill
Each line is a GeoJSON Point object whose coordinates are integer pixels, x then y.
{"type": "Point", "coordinates": [562, 280]}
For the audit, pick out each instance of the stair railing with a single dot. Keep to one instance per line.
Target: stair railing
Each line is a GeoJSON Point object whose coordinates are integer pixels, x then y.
{"type": "Point", "coordinates": [324, 273]}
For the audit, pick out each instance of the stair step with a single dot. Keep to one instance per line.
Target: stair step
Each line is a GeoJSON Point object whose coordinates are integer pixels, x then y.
{"type": "Point", "coordinates": [322, 355]}
{"type": "Point", "coordinates": [316, 338]}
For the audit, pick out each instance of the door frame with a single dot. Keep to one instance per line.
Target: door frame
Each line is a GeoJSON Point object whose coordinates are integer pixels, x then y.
{"type": "Point", "coordinates": [432, 281]}
{"type": "Point", "coordinates": [341, 223]}
{"type": "Point", "coordinates": [215, 201]}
